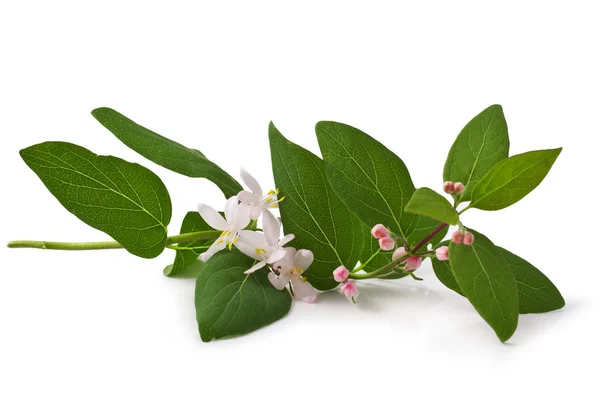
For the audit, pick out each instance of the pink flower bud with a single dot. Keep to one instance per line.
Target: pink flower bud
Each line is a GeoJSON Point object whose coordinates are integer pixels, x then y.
{"type": "Point", "coordinates": [457, 236]}
{"type": "Point", "coordinates": [413, 263]}
{"type": "Point", "coordinates": [349, 289]}
{"type": "Point", "coordinates": [378, 231]}
{"type": "Point", "coordinates": [459, 188]}
{"type": "Point", "coordinates": [468, 238]}
{"type": "Point", "coordinates": [399, 253]}
{"type": "Point", "coordinates": [387, 243]}
{"type": "Point", "coordinates": [341, 273]}
{"type": "Point", "coordinates": [448, 187]}
{"type": "Point", "coordinates": [442, 253]}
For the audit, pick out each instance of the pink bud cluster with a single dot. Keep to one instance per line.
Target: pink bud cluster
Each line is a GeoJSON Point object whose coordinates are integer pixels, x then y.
{"type": "Point", "coordinates": [386, 242]}
{"type": "Point", "coordinates": [348, 288]}
{"type": "Point", "coordinates": [466, 238]}
{"type": "Point", "coordinates": [454, 187]}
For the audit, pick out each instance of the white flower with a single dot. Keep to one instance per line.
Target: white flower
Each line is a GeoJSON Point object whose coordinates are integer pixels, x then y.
{"type": "Point", "coordinates": [259, 203]}
{"type": "Point", "coordinates": [290, 269]}
{"type": "Point", "coordinates": [236, 218]}
{"type": "Point", "coordinates": [255, 245]}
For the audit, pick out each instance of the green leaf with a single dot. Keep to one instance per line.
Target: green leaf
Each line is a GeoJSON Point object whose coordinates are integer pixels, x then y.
{"type": "Point", "coordinates": [231, 303]}
{"type": "Point", "coordinates": [125, 200]}
{"type": "Point", "coordinates": [427, 202]}
{"type": "Point", "coordinates": [488, 283]}
{"type": "Point", "coordinates": [537, 294]}
{"type": "Point", "coordinates": [443, 271]}
{"type": "Point", "coordinates": [368, 177]}
{"type": "Point", "coordinates": [481, 144]}
{"type": "Point", "coordinates": [165, 152]}
{"type": "Point", "coordinates": [512, 179]}
{"type": "Point", "coordinates": [426, 225]}
{"type": "Point", "coordinates": [186, 253]}
{"type": "Point", "coordinates": [313, 212]}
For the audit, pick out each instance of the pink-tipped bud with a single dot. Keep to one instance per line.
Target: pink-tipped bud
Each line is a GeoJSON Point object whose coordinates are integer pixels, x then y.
{"type": "Point", "coordinates": [468, 238]}
{"type": "Point", "coordinates": [349, 289]}
{"type": "Point", "coordinates": [378, 231]}
{"type": "Point", "coordinates": [448, 187]}
{"type": "Point", "coordinates": [341, 273]}
{"type": "Point", "coordinates": [399, 253]}
{"type": "Point", "coordinates": [413, 263]}
{"type": "Point", "coordinates": [442, 253]}
{"type": "Point", "coordinates": [457, 236]}
{"type": "Point", "coordinates": [387, 243]}
{"type": "Point", "coordinates": [459, 188]}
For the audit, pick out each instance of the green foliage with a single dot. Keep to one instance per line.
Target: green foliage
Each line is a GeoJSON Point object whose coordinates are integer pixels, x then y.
{"type": "Point", "coordinates": [428, 203]}
{"type": "Point", "coordinates": [537, 294]}
{"type": "Point", "coordinates": [186, 253]}
{"type": "Point", "coordinates": [231, 303]}
{"type": "Point", "coordinates": [443, 272]}
{"type": "Point", "coordinates": [125, 200]}
{"type": "Point", "coordinates": [313, 212]}
{"type": "Point", "coordinates": [512, 179]}
{"type": "Point", "coordinates": [165, 152]}
{"type": "Point", "coordinates": [486, 280]}
{"type": "Point", "coordinates": [481, 144]}
{"type": "Point", "coordinates": [368, 177]}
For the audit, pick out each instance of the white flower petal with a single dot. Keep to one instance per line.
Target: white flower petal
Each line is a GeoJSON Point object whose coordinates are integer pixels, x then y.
{"type": "Point", "coordinates": [303, 259]}
{"type": "Point", "coordinates": [217, 246]}
{"type": "Point", "coordinates": [247, 197]}
{"type": "Point", "coordinates": [286, 239]}
{"type": "Point", "coordinates": [230, 208]}
{"type": "Point", "coordinates": [255, 267]}
{"type": "Point", "coordinates": [251, 182]}
{"type": "Point", "coordinates": [276, 256]}
{"type": "Point", "coordinates": [304, 291]}
{"type": "Point", "coordinates": [279, 281]}
{"type": "Point", "coordinates": [212, 217]}
{"type": "Point", "coordinates": [271, 227]}
{"type": "Point", "coordinates": [248, 250]}
{"type": "Point", "coordinates": [287, 262]}
{"type": "Point", "coordinates": [253, 238]}
{"type": "Point", "coordinates": [242, 216]}
{"type": "Point", "coordinates": [255, 211]}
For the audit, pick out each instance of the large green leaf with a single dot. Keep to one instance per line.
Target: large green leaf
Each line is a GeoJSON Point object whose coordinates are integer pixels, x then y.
{"type": "Point", "coordinates": [165, 152]}
{"type": "Point", "coordinates": [123, 199]}
{"type": "Point", "coordinates": [368, 177]}
{"type": "Point", "coordinates": [186, 253]}
{"type": "Point", "coordinates": [231, 303]}
{"type": "Point", "coordinates": [313, 212]}
{"type": "Point", "coordinates": [488, 283]}
{"type": "Point", "coordinates": [427, 202]}
{"type": "Point", "coordinates": [537, 294]}
{"type": "Point", "coordinates": [481, 144]}
{"type": "Point", "coordinates": [512, 179]}
{"type": "Point", "coordinates": [426, 225]}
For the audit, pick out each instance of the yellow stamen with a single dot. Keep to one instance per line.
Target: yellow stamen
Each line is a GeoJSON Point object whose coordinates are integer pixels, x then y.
{"type": "Point", "coordinates": [268, 200]}
{"type": "Point", "coordinates": [277, 191]}
{"type": "Point", "coordinates": [291, 271]}
{"type": "Point", "coordinates": [235, 240]}
{"type": "Point", "coordinates": [219, 241]}
{"type": "Point", "coordinates": [228, 232]}
{"type": "Point", "coordinates": [230, 244]}
{"type": "Point", "coordinates": [274, 205]}
{"type": "Point", "coordinates": [223, 234]}
{"type": "Point", "coordinates": [271, 192]}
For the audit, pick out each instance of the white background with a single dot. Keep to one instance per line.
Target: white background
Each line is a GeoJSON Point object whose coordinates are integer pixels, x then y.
{"type": "Point", "coordinates": [106, 334]}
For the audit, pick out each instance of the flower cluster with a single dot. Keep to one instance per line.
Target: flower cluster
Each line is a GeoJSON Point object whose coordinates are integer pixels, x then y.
{"type": "Point", "coordinates": [267, 248]}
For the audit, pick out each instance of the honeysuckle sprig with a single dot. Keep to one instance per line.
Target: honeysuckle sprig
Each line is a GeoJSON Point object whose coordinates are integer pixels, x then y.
{"type": "Point", "coordinates": [259, 203]}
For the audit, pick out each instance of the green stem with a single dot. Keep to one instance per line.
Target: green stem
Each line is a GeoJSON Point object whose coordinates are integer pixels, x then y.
{"type": "Point", "coordinates": [463, 210]}
{"type": "Point", "coordinates": [40, 244]}
{"type": "Point", "coordinates": [362, 266]}
{"type": "Point", "coordinates": [398, 261]}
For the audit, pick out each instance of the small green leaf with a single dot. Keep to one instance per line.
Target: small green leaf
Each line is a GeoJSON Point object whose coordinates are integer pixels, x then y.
{"type": "Point", "coordinates": [428, 203]}
{"type": "Point", "coordinates": [372, 181]}
{"type": "Point", "coordinates": [479, 146]}
{"type": "Point", "coordinates": [512, 179]}
{"type": "Point", "coordinates": [537, 294]}
{"type": "Point", "coordinates": [443, 272]}
{"type": "Point", "coordinates": [125, 200]}
{"type": "Point", "coordinates": [186, 253]}
{"type": "Point", "coordinates": [165, 152]}
{"type": "Point", "coordinates": [231, 303]}
{"type": "Point", "coordinates": [488, 283]}
{"type": "Point", "coordinates": [313, 212]}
